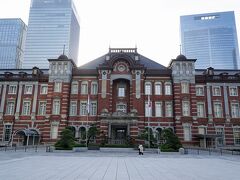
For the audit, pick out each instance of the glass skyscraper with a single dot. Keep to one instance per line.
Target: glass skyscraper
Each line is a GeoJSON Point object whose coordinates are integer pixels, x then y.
{"type": "Point", "coordinates": [210, 38]}
{"type": "Point", "coordinates": [12, 41]}
{"type": "Point", "coordinates": [52, 25]}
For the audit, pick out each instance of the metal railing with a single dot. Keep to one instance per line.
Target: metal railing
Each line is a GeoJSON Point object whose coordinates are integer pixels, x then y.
{"type": "Point", "coordinates": [211, 151]}
{"type": "Point", "coordinates": [24, 148]}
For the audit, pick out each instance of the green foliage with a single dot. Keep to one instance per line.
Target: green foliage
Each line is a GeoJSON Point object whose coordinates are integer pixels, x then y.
{"type": "Point", "coordinates": [92, 133]}
{"type": "Point", "coordinates": [144, 136]}
{"type": "Point", "coordinates": [67, 140]}
{"type": "Point", "coordinates": [172, 143]}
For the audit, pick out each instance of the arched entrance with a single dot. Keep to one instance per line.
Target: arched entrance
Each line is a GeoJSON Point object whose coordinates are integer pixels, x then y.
{"type": "Point", "coordinates": [26, 137]}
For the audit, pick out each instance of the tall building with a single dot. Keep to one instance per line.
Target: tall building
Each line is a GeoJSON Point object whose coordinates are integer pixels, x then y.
{"type": "Point", "coordinates": [12, 41]}
{"type": "Point", "coordinates": [121, 94]}
{"type": "Point", "coordinates": [53, 25]}
{"type": "Point", "coordinates": [212, 39]}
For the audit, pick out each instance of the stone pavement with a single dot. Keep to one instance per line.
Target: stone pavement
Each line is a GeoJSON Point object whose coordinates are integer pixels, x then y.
{"type": "Point", "coordinates": [110, 166]}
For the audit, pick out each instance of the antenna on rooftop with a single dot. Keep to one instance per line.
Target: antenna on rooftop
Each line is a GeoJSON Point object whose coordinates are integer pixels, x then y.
{"type": "Point", "coordinates": [64, 49]}
{"type": "Point", "coordinates": [180, 48]}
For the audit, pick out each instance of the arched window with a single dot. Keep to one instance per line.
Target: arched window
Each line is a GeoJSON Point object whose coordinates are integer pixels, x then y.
{"type": "Point", "coordinates": [84, 87]}
{"type": "Point", "coordinates": [158, 88]}
{"type": "Point", "coordinates": [168, 88]}
{"type": "Point", "coordinates": [94, 88]}
{"type": "Point", "coordinates": [148, 88]}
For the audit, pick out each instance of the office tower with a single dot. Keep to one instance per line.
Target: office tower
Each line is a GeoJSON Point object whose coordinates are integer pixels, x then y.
{"type": "Point", "coordinates": [53, 25]}
{"type": "Point", "coordinates": [212, 39]}
{"type": "Point", "coordinates": [12, 39]}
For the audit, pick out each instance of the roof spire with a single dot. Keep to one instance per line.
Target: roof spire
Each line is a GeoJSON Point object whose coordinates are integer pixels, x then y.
{"type": "Point", "coordinates": [180, 48]}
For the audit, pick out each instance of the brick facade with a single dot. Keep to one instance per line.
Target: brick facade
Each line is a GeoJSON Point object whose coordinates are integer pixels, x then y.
{"type": "Point", "coordinates": [113, 92]}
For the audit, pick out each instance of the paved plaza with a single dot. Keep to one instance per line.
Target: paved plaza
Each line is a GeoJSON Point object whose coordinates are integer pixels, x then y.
{"type": "Point", "coordinates": [122, 166]}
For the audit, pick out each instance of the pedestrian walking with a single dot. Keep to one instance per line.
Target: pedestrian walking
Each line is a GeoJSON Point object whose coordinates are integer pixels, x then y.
{"type": "Point", "coordinates": [140, 149]}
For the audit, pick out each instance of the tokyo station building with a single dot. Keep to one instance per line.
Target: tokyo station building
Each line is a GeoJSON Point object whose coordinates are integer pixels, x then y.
{"type": "Point", "coordinates": [121, 93]}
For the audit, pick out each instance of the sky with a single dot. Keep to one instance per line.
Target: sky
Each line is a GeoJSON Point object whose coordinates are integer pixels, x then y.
{"type": "Point", "coordinates": [150, 25]}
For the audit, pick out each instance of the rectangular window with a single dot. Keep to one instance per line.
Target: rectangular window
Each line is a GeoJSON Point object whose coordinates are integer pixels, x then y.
{"type": "Point", "coordinates": [7, 132]}
{"type": "Point", "coordinates": [185, 87]}
{"type": "Point", "coordinates": [158, 89]}
{"type": "Point", "coordinates": [84, 88]}
{"type": "Point", "coordinates": [185, 108]}
{"type": "Point", "coordinates": [200, 109]}
{"type": "Point", "coordinates": [74, 89]}
{"type": "Point", "coordinates": [217, 110]}
{"type": "Point", "coordinates": [168, 89]}
{"type": "Point", "coordinates": [93, 109]}
{"type": "Point", "coordinates": [233, 91]}
{"type": "Point", "coordinates": [121, 92]}
{"type": "Point", "coordinates": [235, 110]}
{"type": "Point", "coordinates": [73, 108]}
{"type": "Point", "coordinates": [58, 87]}
{"type": "Point", "coordinates": [28, 89]}
{"type": "Point", "coordinates": [56, 107]}
{"type": "Point", "coordinates": [202, 130]}
{"type": "Point", "coordinates": [54, 132]}
{"type": "Point", "coordinates": [168, 109]}
{"type": "Point", "coordinates": [187, 133]}
{"type": "Point", "coordinates": [158, 109]}
{"type": "Point", "coordinates": [220, 132]}
{"type": "Point", "coordinates": [148, 89]}
{"type": "Point", "coordinates": [121, 108]}
{"type": "Point", "coordinates": [94, 88]}
{"type": "Point", "coordinates": [10, 108]}
{"type": "Point", "coordinates": [26, 108]}
{"type": "Point", "coordinates": [83, 108]}
{"type": "Point", "coordinates": [236, 135]}
{"type": "Point", "coordinates": [148, 109]}
{"type": "Point", "coordinates": [12, 89]}
{"type": "Point", "coordinates": [42, 108]}
{"type": "Point", "coordinates": [199, 91]}
{"type": "Point", "coordinates": [216, 91]}
{"type": "Point", "coordinates": [44, 89]}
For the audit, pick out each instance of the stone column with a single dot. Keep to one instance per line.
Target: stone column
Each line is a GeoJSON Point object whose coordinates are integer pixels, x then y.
{"type": "Point", "coordinates": [3, 100]}
{"type": "Point", "coordinates": [209, 103]}
{"type": "Point", "coordinates": [226, 102]}
{"type": "Point", "coordinates": [34, 101]}
{"type": "Point", "coordinates": [19, 101]}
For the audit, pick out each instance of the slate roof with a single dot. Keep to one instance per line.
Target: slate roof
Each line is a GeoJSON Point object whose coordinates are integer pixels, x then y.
{"type": "Point", "coordinates": [148, 63]}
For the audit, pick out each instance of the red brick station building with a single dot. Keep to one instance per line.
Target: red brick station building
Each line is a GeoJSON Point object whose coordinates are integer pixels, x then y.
{"type": "Point", "coordinates": [122, 93]}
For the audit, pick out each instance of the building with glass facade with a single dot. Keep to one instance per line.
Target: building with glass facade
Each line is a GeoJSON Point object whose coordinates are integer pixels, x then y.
{"type": "Point", "coordinates": [12, 41]}
{"type": "Point", "coordinates": [52, 25]}
{"type": "Point", "coordinates": [211, 38]}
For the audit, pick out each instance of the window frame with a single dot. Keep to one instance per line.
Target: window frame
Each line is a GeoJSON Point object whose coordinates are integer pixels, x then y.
{"type": "Point", "coordinates": [42, 91]}
{"type": "Point", "coordinates": [214, 92]}
{"type": "Point", "coordinates": [167, 88]}
{"type": "Point", "coordinates": [28, 89]}
{"type": "Point", "coordinates": [25, 111]}
{"type": "Point", "coordinates": [57, 86]}
{"type": "Point", "coordinates": [197, 92]}
{"type": "Point", "coordinates": [215, 110]}
{"type": "Point", "coordinates": [42, 109]}
{"type": "Point", "coordinates": [8, 111]}
{"type": "Point", "coordinates": [15, 89]}
{"type": "Point", "coordinates": [158, 88]}
{"type": "Point", "coordinates": [73, 108]}
{"type": "Point", "coordinates": [230, 92]}
{"type": "Point", "coordinates": [56, 110]}
{"type": "Point", "coordinates": [148, 88]}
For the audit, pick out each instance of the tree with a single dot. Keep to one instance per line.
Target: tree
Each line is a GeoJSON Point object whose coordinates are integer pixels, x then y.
{"type": "Point", "coordinates": [172, 143]}
{"type": "Point", "coordinates": [144, 136]}
{"type": "Point", "coordinates": [67, 140]}
{"type": "Point", "coordinates": [92, 133]}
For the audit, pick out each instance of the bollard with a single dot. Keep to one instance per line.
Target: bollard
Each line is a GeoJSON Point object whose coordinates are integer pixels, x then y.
{"type": "Point", "coordinates": [221, 151]}
{"type": "Point", "coordinates": [25, 148]}
{"type": "Point", "coordinates": [35, 148]}
{"type": "Point", "coordinates": [15, 148]}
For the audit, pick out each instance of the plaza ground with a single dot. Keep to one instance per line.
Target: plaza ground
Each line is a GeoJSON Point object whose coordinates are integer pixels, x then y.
{"type": "Point", "coordinates": [110, 166]}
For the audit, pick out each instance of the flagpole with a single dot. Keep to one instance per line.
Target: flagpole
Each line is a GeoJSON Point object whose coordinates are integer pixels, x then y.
{"type": "Point", "coordinates": [148, 121]}
{"type": "Point", "coordinates": [88, 110]}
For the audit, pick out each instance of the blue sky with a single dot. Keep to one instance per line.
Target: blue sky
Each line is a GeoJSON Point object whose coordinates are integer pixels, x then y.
{"type": "Point", "coordinates": [151, 25]}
